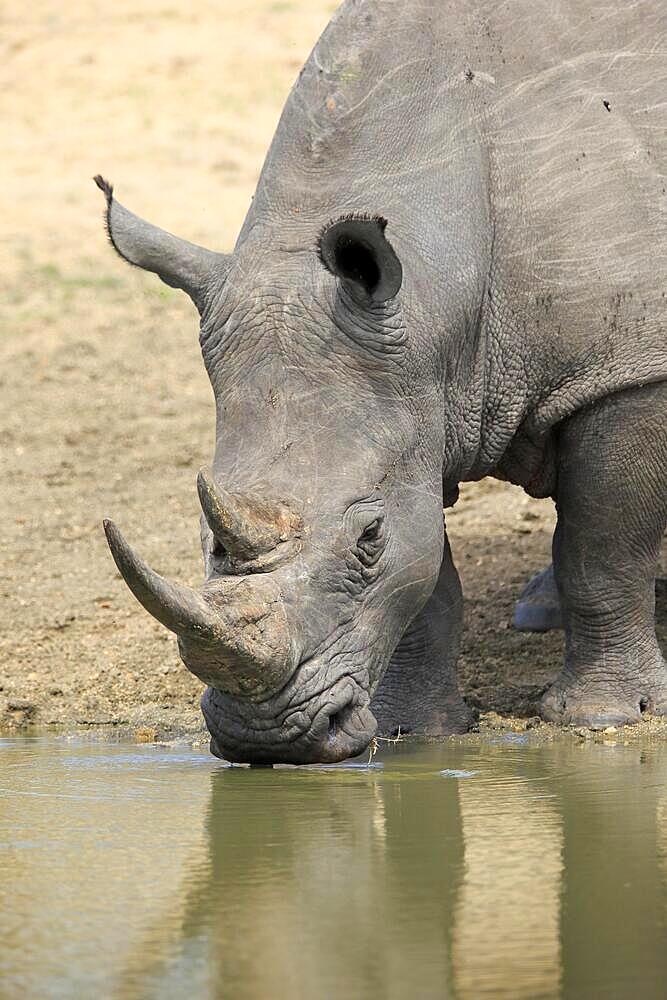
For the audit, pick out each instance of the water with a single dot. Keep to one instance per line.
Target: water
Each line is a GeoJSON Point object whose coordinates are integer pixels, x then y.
{"type": "Point", "coordinates": [501, 870]}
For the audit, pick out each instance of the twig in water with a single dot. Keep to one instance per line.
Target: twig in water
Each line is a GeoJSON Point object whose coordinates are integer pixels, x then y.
{"type": "Point", "coordinates": [373, 747]}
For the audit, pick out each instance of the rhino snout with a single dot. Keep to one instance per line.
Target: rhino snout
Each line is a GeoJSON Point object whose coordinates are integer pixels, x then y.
{"type": "Point", "coordinates": [331, 727]}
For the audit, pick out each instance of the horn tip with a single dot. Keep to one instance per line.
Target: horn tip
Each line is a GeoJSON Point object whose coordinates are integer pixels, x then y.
{"type": "Point", "coordinates": [204, 481]}
{"type": "Point", "coordinates": [208, 490]}
{"type": "Point", "coordinates": [116, 542]}
{"type": "Point", "coordinates": [110, 528]}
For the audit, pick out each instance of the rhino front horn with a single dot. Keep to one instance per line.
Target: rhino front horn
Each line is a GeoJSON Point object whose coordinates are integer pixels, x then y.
{"type": "Point", "coordinates": [234, 636]}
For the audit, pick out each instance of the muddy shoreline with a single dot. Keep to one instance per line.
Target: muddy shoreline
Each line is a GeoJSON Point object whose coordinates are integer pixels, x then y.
{"type": "Point", "coordinates": [489, 727]}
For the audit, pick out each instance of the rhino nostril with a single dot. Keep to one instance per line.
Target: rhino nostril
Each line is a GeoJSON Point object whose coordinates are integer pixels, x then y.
{"type": "Point", "coordinates": [333, 725]}
{"type": "Point", "coordinates": [218, 551]}
{"type": "Point", "coordinates": [340, 718]}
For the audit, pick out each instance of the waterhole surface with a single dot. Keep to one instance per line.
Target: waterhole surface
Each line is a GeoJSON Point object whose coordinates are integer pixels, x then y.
{"type": "Point", "coordinates": [504, 869]}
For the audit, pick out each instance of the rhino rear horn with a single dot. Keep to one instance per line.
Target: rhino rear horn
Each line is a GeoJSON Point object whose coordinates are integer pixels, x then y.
{"type": "Point", "coordinates": [177, 262]}
{"type": "Point", "coordinates": [246, 530]}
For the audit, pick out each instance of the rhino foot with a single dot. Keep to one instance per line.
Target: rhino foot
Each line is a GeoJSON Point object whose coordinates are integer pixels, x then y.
{"type": "Point", "coordinates": [596, 702]}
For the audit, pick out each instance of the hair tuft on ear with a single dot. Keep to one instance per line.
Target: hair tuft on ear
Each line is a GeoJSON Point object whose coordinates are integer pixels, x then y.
{"type": "Point", "coordinates": [177, 262]}
{"type": "Point", "coordinates": [105, 186]}
{"type": "Point", "coordinates": [352, 217]}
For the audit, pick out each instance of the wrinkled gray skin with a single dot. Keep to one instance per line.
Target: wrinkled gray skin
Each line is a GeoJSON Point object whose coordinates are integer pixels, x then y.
{"type": "Point", "coordinates": [510, 321]}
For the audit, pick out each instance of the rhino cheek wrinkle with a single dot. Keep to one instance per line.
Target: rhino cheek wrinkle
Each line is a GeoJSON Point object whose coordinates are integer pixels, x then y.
{"type": "Point", "coordinates": [450, 270]}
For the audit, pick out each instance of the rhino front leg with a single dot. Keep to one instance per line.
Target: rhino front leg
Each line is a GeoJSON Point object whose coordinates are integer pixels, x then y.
{"type": "Point", "coordinates": [419, 692]}
{"type": "Point", "coordinates": [612, 511]}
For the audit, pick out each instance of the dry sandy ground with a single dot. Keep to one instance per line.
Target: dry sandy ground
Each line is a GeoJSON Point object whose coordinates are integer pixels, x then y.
{"type": "Point", "coordinates": [105, 407]}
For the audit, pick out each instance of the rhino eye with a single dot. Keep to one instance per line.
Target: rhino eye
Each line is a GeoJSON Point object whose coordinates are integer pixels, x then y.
{"type": "Point", "coordinates": [370, 543]}
{"type": "Point", "coordinates": [371, 533]}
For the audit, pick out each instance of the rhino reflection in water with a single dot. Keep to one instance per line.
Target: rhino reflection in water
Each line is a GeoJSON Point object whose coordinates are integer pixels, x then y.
{"type": "Point", "coordinates": [373, 884]}
{"type": "Point", "coordinates": [314, 901]}
{"type": "Point", "coordinates": [450, 270]}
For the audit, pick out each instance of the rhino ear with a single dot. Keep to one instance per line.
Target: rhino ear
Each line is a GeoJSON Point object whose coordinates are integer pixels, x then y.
{"type": "Point", "coordinates": [178, 263]}
{"type": "Point", "coordinates": [357, 252]}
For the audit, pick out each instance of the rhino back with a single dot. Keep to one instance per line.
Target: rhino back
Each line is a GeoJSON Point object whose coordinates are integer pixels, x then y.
{"type": "Point", "coordinates": [575, 132]}
{"type": "Point", "coordinates": [532, 130]}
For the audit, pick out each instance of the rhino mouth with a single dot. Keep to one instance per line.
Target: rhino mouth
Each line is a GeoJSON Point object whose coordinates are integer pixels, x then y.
{"type": "Point", "coordinates": [330, 727]}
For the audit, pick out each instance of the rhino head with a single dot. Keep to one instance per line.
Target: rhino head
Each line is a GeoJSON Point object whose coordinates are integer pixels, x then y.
{"type": "Point", "coordinates": [322, 526]}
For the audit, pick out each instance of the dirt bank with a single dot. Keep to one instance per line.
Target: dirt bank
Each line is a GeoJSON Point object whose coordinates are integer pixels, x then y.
{"type": "Point", "coordinates": [104, 405]}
